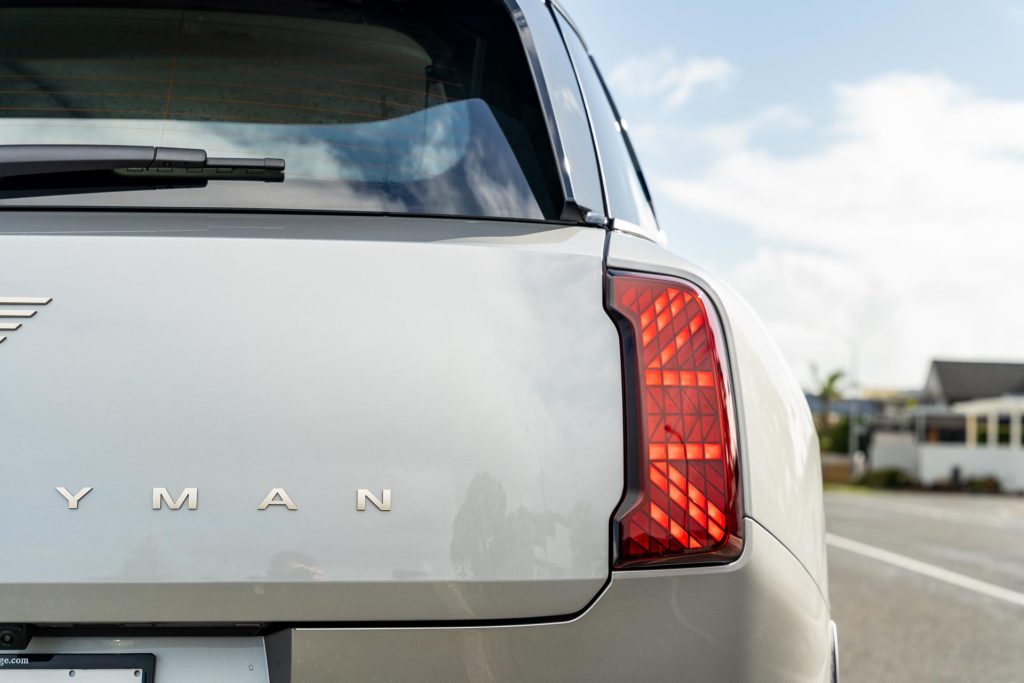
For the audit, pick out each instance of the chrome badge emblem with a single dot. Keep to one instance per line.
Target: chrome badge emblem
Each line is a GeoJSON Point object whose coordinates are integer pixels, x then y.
{"type": "Point", "coordinates": [190, 498]}
{"type": "Point", "coordinates": [14, 310]}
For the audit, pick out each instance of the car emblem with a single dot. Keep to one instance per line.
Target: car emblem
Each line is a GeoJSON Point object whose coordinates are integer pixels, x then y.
{"type": "Point", "coordinates": [11, 319]}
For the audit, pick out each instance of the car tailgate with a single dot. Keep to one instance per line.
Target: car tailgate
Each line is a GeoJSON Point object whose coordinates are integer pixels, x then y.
{"type": "Point", "coordinates": [467, 367]}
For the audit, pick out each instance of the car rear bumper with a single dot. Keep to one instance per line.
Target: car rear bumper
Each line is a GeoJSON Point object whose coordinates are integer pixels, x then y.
{"type": "Point", "coordinates": [761, 618]}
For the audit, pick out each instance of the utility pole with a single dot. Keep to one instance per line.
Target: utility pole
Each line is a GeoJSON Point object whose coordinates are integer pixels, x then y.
{"type": "Point", "coordinates": [853, 428]}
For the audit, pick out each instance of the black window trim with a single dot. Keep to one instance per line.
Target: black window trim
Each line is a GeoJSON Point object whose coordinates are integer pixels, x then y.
{"type": "Point", "coordinates": [571, 210]}
{"type": "Point", "coordinates": [659, 236]}
{"type": "Point", "coordinates": [557, 13]}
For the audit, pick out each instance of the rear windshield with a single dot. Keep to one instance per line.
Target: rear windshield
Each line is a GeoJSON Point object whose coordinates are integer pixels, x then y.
{"type": "Point", "coordinates": [403, 107]}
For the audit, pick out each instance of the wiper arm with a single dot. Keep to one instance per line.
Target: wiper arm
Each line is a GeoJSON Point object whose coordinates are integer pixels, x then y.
{"type": "Point", "coordinates": [30, 160]}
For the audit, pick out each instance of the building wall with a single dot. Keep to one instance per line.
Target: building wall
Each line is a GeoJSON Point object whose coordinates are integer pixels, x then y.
{"type": "Point", "coordinates": [894, 450]}
{"type": "Point", "coordinates": [936, 462]}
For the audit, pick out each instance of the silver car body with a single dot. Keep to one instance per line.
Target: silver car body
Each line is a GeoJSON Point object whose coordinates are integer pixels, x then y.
{"type": "Point", "coordinates": [458, 379]}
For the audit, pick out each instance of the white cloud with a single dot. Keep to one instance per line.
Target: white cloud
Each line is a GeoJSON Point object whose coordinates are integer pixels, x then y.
{"type": "Point", "coordinates": [902, 239]}
{"type": "Point", "coordinates": [729, 136]}
{"type": "Point", "coordinates": [663, 75]}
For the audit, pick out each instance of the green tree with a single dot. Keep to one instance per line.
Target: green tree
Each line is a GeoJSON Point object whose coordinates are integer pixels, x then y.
{"type": "Point", "coordinates": [836, 438]}
{"type": "Point", "coordinates": [828, 393]}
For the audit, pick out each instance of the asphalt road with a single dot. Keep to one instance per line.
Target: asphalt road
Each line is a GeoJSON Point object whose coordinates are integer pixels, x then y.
{"type": "Point", "coordinates": [927, 587]}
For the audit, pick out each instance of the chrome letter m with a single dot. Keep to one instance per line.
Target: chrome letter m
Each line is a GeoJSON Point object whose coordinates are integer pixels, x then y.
{"type": "Point", "coordinates": [161, 496]}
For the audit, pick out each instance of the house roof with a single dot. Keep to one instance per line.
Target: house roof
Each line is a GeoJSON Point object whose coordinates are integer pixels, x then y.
{"type": "Point", "coordinates": [955, 381]}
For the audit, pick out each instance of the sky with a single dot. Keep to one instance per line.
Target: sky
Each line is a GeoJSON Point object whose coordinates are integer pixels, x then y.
{"type": "Point", "coordinates": [855, 170]}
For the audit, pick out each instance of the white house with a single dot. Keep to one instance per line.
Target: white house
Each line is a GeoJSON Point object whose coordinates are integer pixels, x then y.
{"type": "Point", "coordinates": [992, 446]}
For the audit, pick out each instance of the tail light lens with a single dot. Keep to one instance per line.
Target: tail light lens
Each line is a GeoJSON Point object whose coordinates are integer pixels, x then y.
{"type": "Point", "coordinates": [681, 503]}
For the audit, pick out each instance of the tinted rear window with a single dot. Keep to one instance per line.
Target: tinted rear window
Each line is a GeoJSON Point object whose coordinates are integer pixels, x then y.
{"type": "Point", "coordinates": [422, 108]}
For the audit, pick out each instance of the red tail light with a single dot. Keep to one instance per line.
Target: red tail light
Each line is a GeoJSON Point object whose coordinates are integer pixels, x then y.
{"type": "Point", "coordinates": [682, 487]}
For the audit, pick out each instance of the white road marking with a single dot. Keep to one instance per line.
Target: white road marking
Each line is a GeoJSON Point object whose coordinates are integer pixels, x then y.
{"type": "Point", "coordinates": [902, 561]}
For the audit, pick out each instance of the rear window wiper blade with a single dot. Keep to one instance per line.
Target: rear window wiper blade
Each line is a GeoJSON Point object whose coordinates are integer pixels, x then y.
{"type": "Point", "coordinates": [167, 163]}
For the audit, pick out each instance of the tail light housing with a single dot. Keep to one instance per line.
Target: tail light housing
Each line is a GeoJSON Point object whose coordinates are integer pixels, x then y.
{"type": "Point", "coordinates": [682, 487]}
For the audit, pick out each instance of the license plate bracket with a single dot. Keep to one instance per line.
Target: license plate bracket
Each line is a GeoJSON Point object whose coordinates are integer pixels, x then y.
{"type": "Point", "coordinates": [86, 668]}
